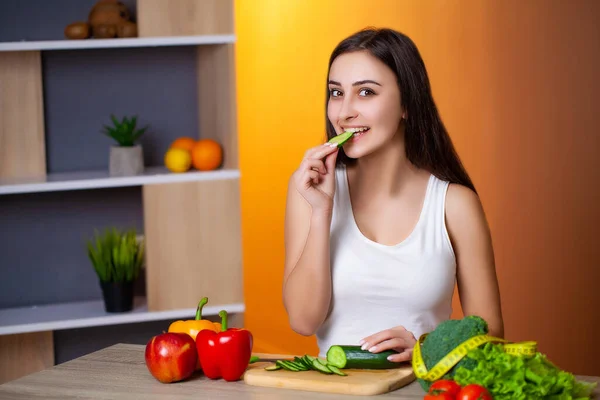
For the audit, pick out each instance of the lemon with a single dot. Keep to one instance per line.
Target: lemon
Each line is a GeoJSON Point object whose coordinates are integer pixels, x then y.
{"type": "Point", "coordinates": [178, 160]}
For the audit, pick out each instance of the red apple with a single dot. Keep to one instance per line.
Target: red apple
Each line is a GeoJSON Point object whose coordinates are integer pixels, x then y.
{"type": "Point", "coordinates": [171, 357]}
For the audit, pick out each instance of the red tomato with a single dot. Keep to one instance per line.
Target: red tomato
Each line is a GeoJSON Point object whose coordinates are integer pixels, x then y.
{"type": "Point", "coordinates": [445, 385]}
{"type": "Point", "coordinates": [439, 396]}
{"type": "Point", "coordinates": [473, 392]}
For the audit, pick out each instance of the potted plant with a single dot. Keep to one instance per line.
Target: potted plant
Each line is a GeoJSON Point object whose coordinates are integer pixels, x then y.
{"type": "Point", "coordinates": [126, 158]}
{"type": "Point", "coordinates": [117, 258]}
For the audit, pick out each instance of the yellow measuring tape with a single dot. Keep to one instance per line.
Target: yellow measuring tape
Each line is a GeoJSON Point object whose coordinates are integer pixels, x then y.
{"type": "Point", "coordinates": [452, 358]}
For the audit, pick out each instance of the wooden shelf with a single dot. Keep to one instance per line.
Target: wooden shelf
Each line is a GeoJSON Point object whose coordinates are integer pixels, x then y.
{"type": "Point", "coordinates": [91, 313]}
{"type": "Point", "coordinates": [177, 230]}
{"type": "Point", "coordinates": [100, 179]}
{"type": "Point", "coordinates": [116, 43]}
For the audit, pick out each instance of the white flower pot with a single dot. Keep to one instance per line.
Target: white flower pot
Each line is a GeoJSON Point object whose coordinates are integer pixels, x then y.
{"type": "Point", "coordinates": [126, 161]}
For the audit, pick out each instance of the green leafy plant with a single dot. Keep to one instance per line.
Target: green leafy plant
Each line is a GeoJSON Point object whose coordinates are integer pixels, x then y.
{"type": "Point", "coordinates": [506, 376]}
{"type": "Point", "coordinates": [116, 255]}
{"type": "Point", "coordinates": [124, 131]}
{"type": "Point", "coordinates": [511, 377]}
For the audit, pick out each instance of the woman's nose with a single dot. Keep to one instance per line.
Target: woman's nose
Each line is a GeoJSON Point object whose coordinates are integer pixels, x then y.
{"type": "Point", "coordinates": [348, 110]}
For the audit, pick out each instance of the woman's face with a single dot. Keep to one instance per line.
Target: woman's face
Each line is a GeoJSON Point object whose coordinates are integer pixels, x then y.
{"type": "Point", "coordinates": [364, 97]}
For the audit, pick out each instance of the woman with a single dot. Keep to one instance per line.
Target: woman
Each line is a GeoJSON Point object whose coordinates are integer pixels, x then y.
{"type": "Point", "coordinates": [378, 232]}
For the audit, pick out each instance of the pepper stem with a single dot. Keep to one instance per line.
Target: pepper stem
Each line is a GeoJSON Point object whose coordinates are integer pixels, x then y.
{"type": "Point", "coordinates": [223, 315]}
{"type": "Point", "coordinates": [199, 309]}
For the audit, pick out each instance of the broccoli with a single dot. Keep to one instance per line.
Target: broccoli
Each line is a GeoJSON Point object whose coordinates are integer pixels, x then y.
{"type": "Point", "coordinates": [445, 338]}
{"type": "Point", "coordinates": [506, 376]}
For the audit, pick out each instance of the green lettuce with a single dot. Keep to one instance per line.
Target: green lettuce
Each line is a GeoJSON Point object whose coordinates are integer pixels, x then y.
{"type": "Point", "coordinates": [510, 377]}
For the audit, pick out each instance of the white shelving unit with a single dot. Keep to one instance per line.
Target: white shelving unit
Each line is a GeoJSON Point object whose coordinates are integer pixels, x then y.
{"type": "Point", "coordinates": [91, 313]}
{"type": "Point", "coordinates": [116, 43]}
{"type": "Point", "coordinates": [81, 180]}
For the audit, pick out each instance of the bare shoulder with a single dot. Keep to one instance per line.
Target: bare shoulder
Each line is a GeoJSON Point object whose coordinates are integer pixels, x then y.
{"type": "Point", "coordinates": [462, 202]}
{"type": "Point", "coordinates": [465, 216]}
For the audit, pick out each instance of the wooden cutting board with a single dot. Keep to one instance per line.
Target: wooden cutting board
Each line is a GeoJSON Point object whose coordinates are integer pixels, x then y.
{"type": "Point", "coordinates": [358, 382]}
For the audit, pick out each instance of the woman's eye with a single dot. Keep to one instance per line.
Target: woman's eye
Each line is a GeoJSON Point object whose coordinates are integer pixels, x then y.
{"type": "Point", "coordinates": [366, 92]}
{"type": "Point", "coordinates": [335, 93]}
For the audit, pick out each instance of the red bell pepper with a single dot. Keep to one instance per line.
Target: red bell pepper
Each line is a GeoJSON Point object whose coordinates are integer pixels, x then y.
{"type": "Point", "coordinates": [224, 354]}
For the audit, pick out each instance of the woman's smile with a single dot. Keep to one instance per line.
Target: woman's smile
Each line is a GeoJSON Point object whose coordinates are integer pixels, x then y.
{"type": "Point", "coordinates": [359, 132]}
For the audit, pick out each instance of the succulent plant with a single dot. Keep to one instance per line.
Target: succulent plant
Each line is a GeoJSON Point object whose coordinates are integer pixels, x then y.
{"type": "Point", "coordinates": [124, 131]}
{"type": "Point", "coordinates": [117, 255]}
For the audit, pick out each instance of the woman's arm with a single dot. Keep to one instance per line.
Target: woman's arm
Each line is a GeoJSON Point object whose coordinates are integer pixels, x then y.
{"type": "Point", "coordinates": [307, 275]}
{"type": "Point", "coordinates": [476, 272]}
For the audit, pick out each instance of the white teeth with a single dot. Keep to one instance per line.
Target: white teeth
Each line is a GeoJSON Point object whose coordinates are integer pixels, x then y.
{"type": "Point", "coordinates": [355, 130]}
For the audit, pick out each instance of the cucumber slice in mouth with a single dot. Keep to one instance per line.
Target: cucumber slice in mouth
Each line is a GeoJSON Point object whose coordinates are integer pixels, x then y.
{"type": "Point", "coordinates": [341, 138]}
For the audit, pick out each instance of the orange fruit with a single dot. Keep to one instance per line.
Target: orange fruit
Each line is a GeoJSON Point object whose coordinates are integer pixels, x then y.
{"type": "Point", "coordinates": [207, 154]}
{"type": "Point", "coordinates": [178, 160]}
{"type": "Point", "coordinates": [185, 143]}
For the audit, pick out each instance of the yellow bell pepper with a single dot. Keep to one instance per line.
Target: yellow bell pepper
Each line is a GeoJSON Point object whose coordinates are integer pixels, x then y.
{"type": "Point", "coordinates": [193, 326]}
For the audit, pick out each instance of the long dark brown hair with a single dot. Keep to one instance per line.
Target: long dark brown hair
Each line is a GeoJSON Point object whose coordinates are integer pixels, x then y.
{"type": "Point", "coordinates": [427, 142]}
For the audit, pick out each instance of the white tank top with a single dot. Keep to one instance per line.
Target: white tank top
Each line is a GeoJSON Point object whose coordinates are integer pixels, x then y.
{"type": "Point", "coordinates": [377, 287]}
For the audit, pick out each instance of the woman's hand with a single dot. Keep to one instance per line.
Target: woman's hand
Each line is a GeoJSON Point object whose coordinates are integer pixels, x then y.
{"type": "Point", "coordinates": [315, 177]}
{"type": "Point", "coordinates": [397, 339]}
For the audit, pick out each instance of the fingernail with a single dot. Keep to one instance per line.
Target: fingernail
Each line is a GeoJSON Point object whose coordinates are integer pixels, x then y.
{"type": "Point", "coordinates": [362, 341]}
{"type": "Point", "coordinates": [372, 349]}
{"type": "Point", "coordinates": [389, 358]}
{"type": "Point", "coordinates": [333, 145]}
{"type": "Point", "coordinates": [364, 346]}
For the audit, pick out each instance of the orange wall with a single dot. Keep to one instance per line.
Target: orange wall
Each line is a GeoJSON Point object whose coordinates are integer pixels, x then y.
{"type": "Point", "coordinates": [515, 84]}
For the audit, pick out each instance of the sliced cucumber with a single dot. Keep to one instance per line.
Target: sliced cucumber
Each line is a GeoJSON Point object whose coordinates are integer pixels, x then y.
{"type": "Point", "coordinates": [341, 138]}
{"type": "Point", "coordinates": [306, 363]}
{"type": "Point", "coordinates": [335, 370]}
{"type": "Point", "coordinates": [309, 359]}
{"type": "Point", "coordinates": [317, 365]}
{"type": "Point", "coordinates": [287, 365]}
{"type": "Point", "coordinates": [353, 357]}
{"type": "Point", "coordinates": [301, 363]}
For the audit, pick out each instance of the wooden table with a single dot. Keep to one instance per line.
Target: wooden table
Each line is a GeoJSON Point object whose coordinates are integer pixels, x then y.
{"type": "Point", "coordinates": [119, 372]}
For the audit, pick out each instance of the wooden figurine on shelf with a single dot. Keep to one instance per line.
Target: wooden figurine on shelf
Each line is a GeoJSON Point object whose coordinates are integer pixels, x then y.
{"type": "Point", "coordinates": [107, 19]}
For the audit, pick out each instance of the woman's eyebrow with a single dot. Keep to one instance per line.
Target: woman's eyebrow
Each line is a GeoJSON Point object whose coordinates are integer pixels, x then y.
{"type": "Point", "coordinates": [356, 83]}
